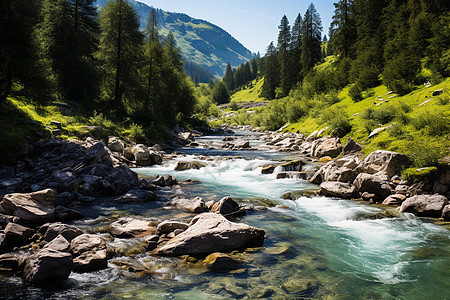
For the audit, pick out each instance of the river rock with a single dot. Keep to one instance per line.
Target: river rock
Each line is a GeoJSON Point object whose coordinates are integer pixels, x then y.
{"type": "Point", "coordinates": [98, 154]}
{"type": "Point", "coordinates": [169, 226]}
{"type": "Point", "coordinates": [396, 199]}
{"type": "Point", "coordinates": [327, 147]}
{"type": "Point", "coordinates": [17, 235]}
{"type": "Point", "coordinates": [69, 232]}
{"type": "Point", "coordinates": [209, 233]}
{"type": "Point", "coordinates": [34, 207]}
{"type": "Point", "coordinates": [221, 263]}
{"type": "Point", "coordinates": [47, 266]}
{"type": "Point", "coordinates": [166, 180]}
{"type": "Point", "coordinates": [384, 162]}
{"type": "Point", "coordinates": [65, 214]}
{"type": "Point", "coordinates": [268, 169]}
{"type": "Point", "coordinates": [225, 206]}
{"type": "Point", "coordinates": [129, 228]}
{"type": "Point", "coordinates": [186, 165]}
{"type": "Point", "coordinates": [115, 144]}
{"type": "Point", "coordinates": [122, 179]}
{"type": "Point", "coordinates": [378, 185]}
{"type": "Point", "coordinates": [9, 263]}
{"type": "Point", "coordinates": [337, 189]}
{"type": "Point", "coordinates": [66, 181]}
{"type": "Point", "coordinates": [242, 145]}
{"type": "Point", "coordinates": [290, 166]}
{"type": "Point", "coordinates": [136, 196]}
{"type": "Point", "coordinates": [58, 244]}
{"type": "Point", "coordinates": [195, 205]}
{"type": "Point", "coordinates": [10, 184]}
{"type": "Point", "coordinates": [89, 252]}
{"type": "Point", "coordinates": [352, 146]}
{"type": "Point", "coordinates": [446, 213]}
{"type": "Point", "coordinates": [141, 155]}
{"type": "Point", "coordinates": [425, 205]}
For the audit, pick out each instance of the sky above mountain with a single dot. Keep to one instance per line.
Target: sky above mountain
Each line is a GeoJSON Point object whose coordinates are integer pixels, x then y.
{"type": "Point", "coordinates": [254, 23]}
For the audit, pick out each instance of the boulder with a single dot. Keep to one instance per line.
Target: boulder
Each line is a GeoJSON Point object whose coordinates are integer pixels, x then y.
{"type": "Point", "coordinates": [290, 166]}
{"type": "Point", "coordinates": [225, 206]}
{"type": "Point", "coordinates": [65, 214]}
{"type": "Point", "coordinates": [378, 185]}
{"type": "Point", "coordinates": [141, 155]}
{"type": "Point", "coordinates": [136, 196]}
{"type": "Point", "coordinates": [122, 179]}
{"type": "Point", "coordinates": [186, 136]}
{"type": "Point", "coordinates": [337, 189]}
{"type": "Point", "coordinates": [446, 213]}
{"type": "Point", "coordinates": [209, 233]}
{"type": "Point", "coordinates": [129, 228]}
{"type": "Point", "coordinates": [195, 205]}
{"type": "Point", "coordinates": [396, 199]}
{"type": "Point", "coordinates": [47, 266]}
{"type": "Point", "coordinates": [115, 144]}
{"type": "Point", "coordinates": [58, 244]}
{"type": "Point", "coordinates": [166, 180]}
{"type": "Point", "coordinates": [10, 183]}
{"type": "Point", "coordinates": [352, 146]}
{"type": "Point", "coordinates": [221, 263]}
{"type": "Point", "coordinates": [67, 182]}
{"type": "Point", "coordinates": [98, 154]}
{"type": "Point", "coordinates": [187, 165]}
{"type": "Point", "coordinates": [9, 263]}
{"type": "Point", "coordinates": [268, 169]}
{"type": "Point", "coordinates": [425, 205]}
{"type": "Point", "coordinates": [169, 226]}
{"type": "Point", "coordinates": [242, 145]}
{"type": "Point", "coordinates": [384, 162]}
{"type": "Point", "coordinates": [437, 92]}
{"type": "Point", "coordinates": [89, 252]}
{"type": "Point", "coordinates": [327, 147]}
{"type": "Point", "coordinates": [17, 235]}
{"type": "Point", "coordinates": [156, 158]}
{"type": "Point", "coordinates": [34, 207]}
{"type": "Point", "coordinates": [69, 232]}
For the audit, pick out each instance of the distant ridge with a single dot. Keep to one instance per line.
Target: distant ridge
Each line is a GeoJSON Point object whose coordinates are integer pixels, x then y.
{"type": "Point", "coordinates": [200, 41]}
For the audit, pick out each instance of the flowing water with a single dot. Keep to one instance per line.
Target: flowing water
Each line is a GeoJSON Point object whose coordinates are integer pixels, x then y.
{"type": "Point", "coordinates": [315, 247]}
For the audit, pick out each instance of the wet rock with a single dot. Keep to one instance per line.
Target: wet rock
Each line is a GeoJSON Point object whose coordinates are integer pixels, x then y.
{"type": "Point", "coordinates": [195, 205]}
{"type": "Point", "coordinates": [166, 180]}
{"type": "Point", "coordinates": [268, 169]}
{"type": "Point", "coordinates": [67, 182]}
{"type": "Point", "coordinates": [396, 199]}
{"type": "Point", "coordinates": [10, 184]}
{"type": "Point", "coordinates": [122, 179]}
{"type": "Point", "coordinates": [115, 144]}
{"type": "Point", "coordinates": [151, 242]}
{"type": "Point", "coordinates": [242, 145]}
{"type": "Point", "coordinates": [46, 267]}
{"type": "Point", "coordinates": [89, 252]}
{"type": "Point", "coordinates": [225, 206]}
{"type": "Point", "coordinates": [65, 214]}
{"type": "Point", "coordinates": [425, 205]}
{"type": "Point", "coordinates": [170, 226]}
{"type": "Point", "coordinates": [221, 263]}
{"type": "Point", "coordinates": [300, 286]}
{"type": "Point", "coordinates": [185, 165]}
{"type": "Point", "coordinates": [34, 207]}
{"type": "Point", "coordinates": [295, 165]}
{"type": "Point", "coordinates": [446, 213]}
{"type": "Point", "coordinates": [129, 228]}
{"type": "Point", "coordinates": [384, 162]}
{"type": "Point", "coordinates": [58, 244]}
{"type": "Point", "coordinates": [209, 233]}
{"type": "Point", "coordinates": [9, 263]}
{"type": "Point", "coordinates": [374, 184]}
{"type": "Point", "coordinates": [17, 235]}
{"type": "Point", "coordinates": [337, 189]}
{"type": "Point", "coordinates": [69, 232]}
{"type": "Point", "coordinates": [136, 196]}
{"type": "Point", "coordinates": [352, 146]}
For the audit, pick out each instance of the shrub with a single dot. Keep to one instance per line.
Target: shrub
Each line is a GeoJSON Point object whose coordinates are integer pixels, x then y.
{"type": "Point", "coordinates": [355, 92]}
{"type": "Point", "coordinates": [433, 123]}
{"type": "Point", "coordinates": [134, 132]}
{"type": "Point", "coordinates": [101, 120]}
{"type": "Point", "coordinates": [424, 152]}
{"type": "Point", "coordinates": [369, 77]}
{"type": "Point", "coordinates": [416, 175]}
{"type": "Point", "coordinates": [338, 120]}
{"type": "Point", "coordinates": [397, 130]}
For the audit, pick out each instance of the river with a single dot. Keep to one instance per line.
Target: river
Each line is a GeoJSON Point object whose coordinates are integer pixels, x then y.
{"type": "Point", "coordinates": [315, 247]}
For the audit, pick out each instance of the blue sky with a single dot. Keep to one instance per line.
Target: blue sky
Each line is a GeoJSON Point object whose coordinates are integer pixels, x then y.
{"type": "Point", "coordinates": [253, 23]}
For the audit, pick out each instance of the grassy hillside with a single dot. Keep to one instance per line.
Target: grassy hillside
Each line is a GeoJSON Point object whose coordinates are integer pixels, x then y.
{"type": "Point", "coordinates": [417, 124]}
{"type": "Point", "coordinates": [199, 41]}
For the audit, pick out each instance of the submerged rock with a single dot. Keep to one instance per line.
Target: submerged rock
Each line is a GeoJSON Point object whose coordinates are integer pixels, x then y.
{"type": "Point", "coordinates": [47, 266]}
{"type": "Point", "coordinates": [209, 233]}
{"type": "Point", "coordinates": [221, 263]}
{"type": "Point", "coordinates": [186, 165]}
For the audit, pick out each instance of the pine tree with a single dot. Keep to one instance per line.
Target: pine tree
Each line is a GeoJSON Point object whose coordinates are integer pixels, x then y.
{"type": "Point", "coordinates": [18, 53]}
{"type": "Point", "coordinates": [271, 74]}
{"type": "Point", "coordinates": [311, 50]}
{"type": "Point", "coordinates": [119, 54]}
{"type": "Point", "coordinates": [254, 67]}
{"type": "Point", "coordinates": [296, 45]}
{"type": "Point", "coordinates": [220, 93]}
{"type": "Point", "coordinates": [228, 78]}
{"type": "Point", "coordinates": [284, 41]}
{"type": "Point", "coordinates": [344, 26]}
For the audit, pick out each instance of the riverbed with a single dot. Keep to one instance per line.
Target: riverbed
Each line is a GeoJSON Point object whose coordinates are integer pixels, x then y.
{"type": "Point", "coordinates": [315, 246]}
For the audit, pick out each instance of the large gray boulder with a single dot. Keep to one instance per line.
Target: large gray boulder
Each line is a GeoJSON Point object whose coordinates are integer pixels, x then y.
{"type": "Point", "coordinates": [17, 235]}
{"type": "Point", "coordinates": [89, 252]}
{"type": "Point", "coordinates": [195, 205]}
{"type": "Point", "coordinates": [34, 207]}
{"type": "Point", "coordinates": [46, 267]}
{"type": "Point", "coordinates": [69, 232]}
{"type": "Point", "coordinates": [352, 146]}
{"type": "Point", "coordinates": [66, 181]}
{"type": "Point", "coordinates": [115, 144]}
{"type": "Point", "coordinates": [384, 162]}
{"type": "Point", "coordinates": [425, 205]}
{"type": "Point", "coordinates": [209, 233]}
{"type": "Point", "coordinates": [378, 185]}
{"type": "Point", "coordinates": [327, 147]}
{"type": "Point", "coordinates": [122, 179]}
{"type": "Point", "coordinates": [225, 206]}
{"type": "Point", "coordinates": [337, 189]}
{"type": "Point", "coordinates": [59, 243]}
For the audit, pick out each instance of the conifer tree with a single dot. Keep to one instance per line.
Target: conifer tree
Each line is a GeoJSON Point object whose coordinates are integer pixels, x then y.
{"type": "Point", "coordinates": [344, 27]}
{"type": "Point", "coordinates": [220, 93]}
{"type": "Point", "coordinates": [284, 41]}
{"type": "Point", "coordinates": [119, 54]}
{"type": "Point", "coordinates": [228, 78]}
{"type": "Point", "coordinates": [311, 50]}
{"type": "Point", "coordinates": [271, 74]}
{"type": "Point", "coordinates": [296, 44]}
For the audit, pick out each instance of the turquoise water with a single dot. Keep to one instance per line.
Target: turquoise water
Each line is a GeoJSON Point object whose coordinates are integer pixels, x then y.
{"type": "Point", "coordinates": [317, 247]}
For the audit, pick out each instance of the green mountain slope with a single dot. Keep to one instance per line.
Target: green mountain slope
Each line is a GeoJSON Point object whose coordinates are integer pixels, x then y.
{"type": "Point", "coordinates": [200, 41]}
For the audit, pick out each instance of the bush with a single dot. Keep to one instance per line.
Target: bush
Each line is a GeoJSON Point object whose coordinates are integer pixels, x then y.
{"type": "Point", "coordinates": [424, 152]}
{"type": "Point", "coordinates": [355, 92]}
{"type": "Point", "coordinates": [382, 115]}
{"type": "Point", "coordinates": [416, 175]}
{"type": "Point", "coordinates": [338, 120]}
{"type": "Point", "coordinates": [396, 130]}
{"type": "Point", "coordinates": [101, 120]}
{"type": "Point", "coordinates": [433, 123]}
{"type": "Point", "coordinates": [369, 77]}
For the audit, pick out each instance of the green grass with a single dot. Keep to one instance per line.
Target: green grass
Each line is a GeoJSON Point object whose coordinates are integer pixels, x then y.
{"type": "Point", "coordinates": [250, 93]}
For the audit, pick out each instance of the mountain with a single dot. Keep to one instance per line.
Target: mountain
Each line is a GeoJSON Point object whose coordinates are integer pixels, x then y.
{"type": "Point", "coordinates": [200, 42]}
